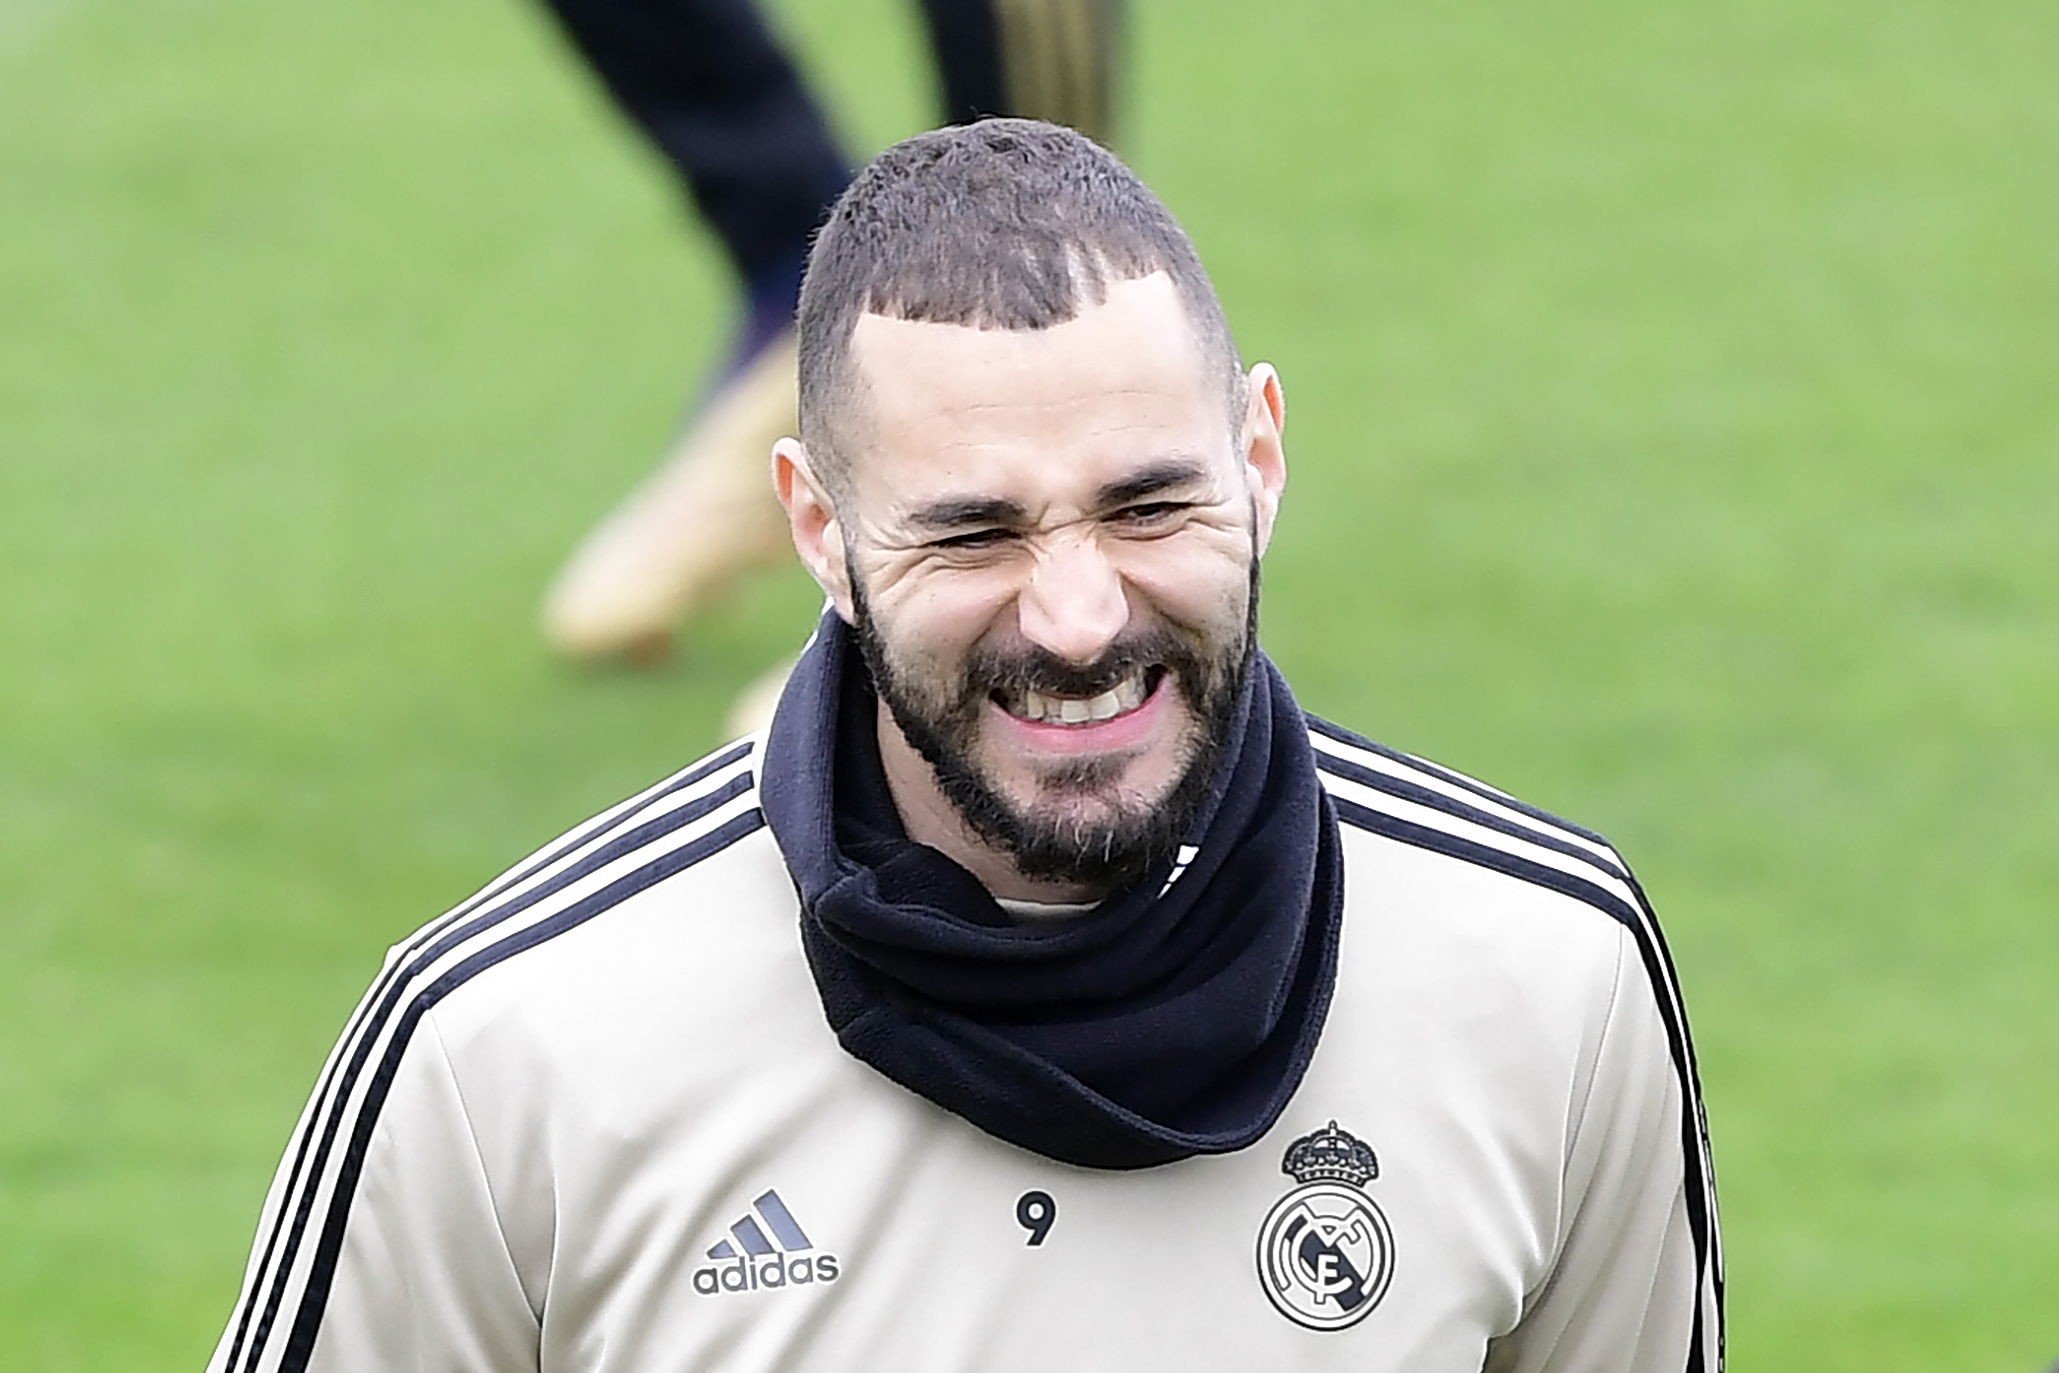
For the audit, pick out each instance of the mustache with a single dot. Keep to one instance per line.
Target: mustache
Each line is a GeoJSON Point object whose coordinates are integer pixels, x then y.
{"type": "Point", "coordinates": [992, 668]}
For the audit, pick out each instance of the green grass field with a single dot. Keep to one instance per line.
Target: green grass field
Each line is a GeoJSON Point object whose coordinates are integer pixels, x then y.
{"type": "Point", "coordinates": [1675, 411]}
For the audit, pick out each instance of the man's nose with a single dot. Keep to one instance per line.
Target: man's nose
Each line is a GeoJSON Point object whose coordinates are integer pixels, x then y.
{"type": "Point", "coordinates": [1074, 604]}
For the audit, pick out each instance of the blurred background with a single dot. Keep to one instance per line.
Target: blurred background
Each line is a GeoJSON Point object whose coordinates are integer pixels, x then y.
{"type": "Point", "coordinates": [1675, 418]}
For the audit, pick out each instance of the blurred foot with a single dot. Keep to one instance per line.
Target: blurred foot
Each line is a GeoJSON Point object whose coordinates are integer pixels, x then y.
{"type": "Point", "coordinates": [706, 514]}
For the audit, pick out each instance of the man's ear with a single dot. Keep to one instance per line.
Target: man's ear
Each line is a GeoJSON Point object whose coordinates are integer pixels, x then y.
{"type": "Point", "coordinates": [811, 515]}
{"type": "Point", "coordinates": [1265, 453]}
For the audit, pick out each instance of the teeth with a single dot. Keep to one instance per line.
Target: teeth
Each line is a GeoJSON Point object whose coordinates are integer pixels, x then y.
{"type": "Point", "coordinates": [1127, 694]}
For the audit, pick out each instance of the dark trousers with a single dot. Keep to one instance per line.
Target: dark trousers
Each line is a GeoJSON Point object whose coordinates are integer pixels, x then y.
{"type": "Point", "coordinates": [709, 84]}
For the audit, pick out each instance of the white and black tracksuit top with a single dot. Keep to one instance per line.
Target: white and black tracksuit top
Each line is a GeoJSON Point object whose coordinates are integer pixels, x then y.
{"type": "Point", "coordinates": [592, 1121]}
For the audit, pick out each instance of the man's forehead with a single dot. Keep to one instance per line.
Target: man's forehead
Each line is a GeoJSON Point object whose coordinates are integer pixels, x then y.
{"type": "Point", "coordinates": [1139, 332]}
{"type": "Point", "coordinates": [950, 413]}
{"type": "Point", "coordinates": [1131, 358]}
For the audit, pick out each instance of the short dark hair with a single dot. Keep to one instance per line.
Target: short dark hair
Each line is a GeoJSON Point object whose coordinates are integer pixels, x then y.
{"type": "Point", "coordinates": [1003, 224]}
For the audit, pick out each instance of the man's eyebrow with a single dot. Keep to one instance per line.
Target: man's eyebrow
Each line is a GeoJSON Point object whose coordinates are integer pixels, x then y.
{"type": "Point", "coordinates": [1163, 475]}
{"type": "Point", "coordinates": [957, 512]}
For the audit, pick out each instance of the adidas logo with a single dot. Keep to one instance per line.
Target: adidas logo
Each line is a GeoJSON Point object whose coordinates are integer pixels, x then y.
{"type": "Point", "coordinates": [750, 1259]}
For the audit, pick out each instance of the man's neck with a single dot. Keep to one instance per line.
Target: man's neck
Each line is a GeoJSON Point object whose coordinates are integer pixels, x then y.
{"type": "Point", "coordinates": [930, 818]}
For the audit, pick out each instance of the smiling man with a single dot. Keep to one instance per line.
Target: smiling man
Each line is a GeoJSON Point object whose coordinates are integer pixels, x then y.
{"type": "Point", "coordinates": [1045, 990]}
{"type": "Point", "coordinates": [1049, 548]}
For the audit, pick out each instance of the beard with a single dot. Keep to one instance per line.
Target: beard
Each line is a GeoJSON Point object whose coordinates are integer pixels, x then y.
{"type": "Point", "coordinates": [1080, 824]}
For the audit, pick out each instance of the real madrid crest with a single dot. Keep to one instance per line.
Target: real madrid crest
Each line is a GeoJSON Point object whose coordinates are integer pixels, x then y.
{"type": "Point", "coordinates": [1325, 1253]}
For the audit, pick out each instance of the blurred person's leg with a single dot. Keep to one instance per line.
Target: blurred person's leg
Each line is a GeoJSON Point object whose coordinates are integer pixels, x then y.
{"type": "Point", "coordinates": [708, 82]}
{"type": "Point", "coordinates": [1058, 60]}
{"type": "Point", "coordinates": [710, 85]}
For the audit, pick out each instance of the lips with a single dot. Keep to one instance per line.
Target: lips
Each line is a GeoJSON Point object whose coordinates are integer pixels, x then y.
{"type": "Point", "coordinates": [1050, 708]}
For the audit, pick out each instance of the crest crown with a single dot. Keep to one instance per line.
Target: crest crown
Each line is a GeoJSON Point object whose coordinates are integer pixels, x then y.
{"type": "Point", "coordinates": [1331, 1155]}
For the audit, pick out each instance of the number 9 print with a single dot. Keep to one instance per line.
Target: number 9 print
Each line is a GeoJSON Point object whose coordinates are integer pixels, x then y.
{"type": "Point", "coordinates": [1036, 1212]}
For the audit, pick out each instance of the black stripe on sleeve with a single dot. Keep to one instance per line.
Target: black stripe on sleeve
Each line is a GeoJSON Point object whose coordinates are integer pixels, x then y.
{"type": "Point", "coordinates": [585, 834]}
{"type": "Point", "coordinates": [424, 948]}
{"type": "Point", "coordinates": [1338, 734]}
{"type": "Point", "coordinates": [308, 1319]}
{"type": "Point", "coordinates": [1405, 790]}
{"type": "Point", "coordinates": [1658, 967]}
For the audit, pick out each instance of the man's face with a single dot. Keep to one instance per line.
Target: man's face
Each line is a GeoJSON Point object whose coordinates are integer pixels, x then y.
{"type": "Point", "coordinates": [1051, 542]}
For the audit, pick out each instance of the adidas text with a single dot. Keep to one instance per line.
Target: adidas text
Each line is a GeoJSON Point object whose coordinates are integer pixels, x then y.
{"type": "Point", "coordinates": [744, 1274]}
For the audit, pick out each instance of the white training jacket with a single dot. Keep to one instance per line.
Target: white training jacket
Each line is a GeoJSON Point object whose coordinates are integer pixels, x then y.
{"type": "Point", "coordinates": [593, 1120]}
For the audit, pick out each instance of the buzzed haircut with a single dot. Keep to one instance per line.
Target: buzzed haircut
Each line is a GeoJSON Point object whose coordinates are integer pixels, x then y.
{"type": "Point", "coordinates": [1003, 224]}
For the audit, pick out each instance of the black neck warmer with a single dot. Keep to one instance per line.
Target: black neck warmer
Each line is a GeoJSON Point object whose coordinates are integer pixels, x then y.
{"type": "Point", "coordinates": [1175, 1019]}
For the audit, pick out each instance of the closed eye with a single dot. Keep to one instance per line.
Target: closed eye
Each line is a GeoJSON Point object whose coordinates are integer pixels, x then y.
{"type": "Point", "coordinates": [973, 540]}
{"type": "Point", "coordinates": [1150, 513]}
